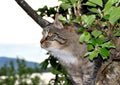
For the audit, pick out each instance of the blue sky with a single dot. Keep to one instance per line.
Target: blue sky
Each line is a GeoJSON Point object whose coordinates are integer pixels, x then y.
{"type": "Point", "coordinates": [28, 52]}
{"type": "Point", "coordinates": [19, 34]}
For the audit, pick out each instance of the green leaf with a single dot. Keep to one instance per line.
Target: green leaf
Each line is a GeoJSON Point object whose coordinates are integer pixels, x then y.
{"type": "Point", "coordinates": [63, 19]}
{"type": "Point", "coordinates": [85, 37]}
{"type": "Point", "coordinates": [97, 2]}
{"type": "Point", "coordinates": [73, 1]}
{"type": "Point", "coordinates": [85, 18]}
{"type": "Point", "coordinates": [44, 64]}
{"type": "Point", "coordinates": [90, 4]}
{"type": "Point", "coordinates": [54, 71]}
{"type": "Point", "coordinates": [106, 17]}
{"type": "Point", "coordinates": [109, 4]}
{"type": "Point", "coordinates": [96, 33]}
{"type": "Point", "coordinates": [114, 15]}
{"type": "Point", "coordinates": [91, 18]}
{"type": "Point", "coordinates": [77, 20]}
{"type": "Point", "coordinates": [107, 12]}
{"type": "Point", "coordinates": [104, 53]}
{"type": "Point", "coordinates": [117, 34]}
{"type": "Point", "coordinates": [81, 29]}
{"type": "Point", "coordinates": [65, 6]}
{"type": "Point", "coordinates": [92, 54]}
{"type": "Point", "coordinates": [82, 37]}
{"type": "Point", "coordinates": [90, 47]}
{"type": "Point", "coordinates": [86, 54]}
{"type": "Point", "coordinates": [102, 37]}
{"type": "Point", "coordinates": [88, 19]}
{"type": "Point", "coordinates": [108, 45]}
{"type": "Point", "coordinates": [96, 41]}
{"type": "Point", "coordinates": [93, 10]}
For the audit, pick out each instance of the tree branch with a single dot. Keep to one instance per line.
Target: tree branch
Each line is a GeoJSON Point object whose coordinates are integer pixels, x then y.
{"type": "Point", "coordinates": [33, 14]}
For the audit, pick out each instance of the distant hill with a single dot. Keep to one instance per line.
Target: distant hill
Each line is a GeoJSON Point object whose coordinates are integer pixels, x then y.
{"type": "Point", "coordinates": [5, 60]}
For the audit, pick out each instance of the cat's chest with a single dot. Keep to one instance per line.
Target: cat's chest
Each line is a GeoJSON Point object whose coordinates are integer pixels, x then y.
{"type": "Point", "coordinates": [63, 56]}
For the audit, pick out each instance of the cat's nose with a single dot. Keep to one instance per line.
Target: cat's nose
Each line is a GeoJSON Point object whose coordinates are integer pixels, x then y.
{"type": "Point", "coordinates": [42, 41]}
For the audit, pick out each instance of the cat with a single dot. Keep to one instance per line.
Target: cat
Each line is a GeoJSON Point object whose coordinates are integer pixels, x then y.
{"type": "Point", "coordinates": [62, 41]}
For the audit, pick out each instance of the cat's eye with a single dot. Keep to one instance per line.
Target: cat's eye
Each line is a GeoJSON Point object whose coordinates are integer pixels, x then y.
{"type": "Point", "coordinates": [50, 34]}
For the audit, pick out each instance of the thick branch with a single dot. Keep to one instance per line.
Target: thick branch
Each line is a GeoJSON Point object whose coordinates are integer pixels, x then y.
{"type": "Point", "coordinates": [42, 22]}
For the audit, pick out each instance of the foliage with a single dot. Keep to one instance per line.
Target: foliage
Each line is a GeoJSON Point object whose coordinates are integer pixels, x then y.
{"type": "Point", "coordinates": [99, 24]}
{"type": "Point", "coordinates": [60, 72]}
{"type": "Point", "coordinates": [9, 75]}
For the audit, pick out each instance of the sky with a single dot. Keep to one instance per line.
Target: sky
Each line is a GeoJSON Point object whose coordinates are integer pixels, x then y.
{"type": "Point", "coordinates": [19, 34]}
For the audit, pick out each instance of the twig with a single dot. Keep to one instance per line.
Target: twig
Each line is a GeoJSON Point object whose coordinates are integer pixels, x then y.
{"type": "Point", "coordinates": [33, 14]}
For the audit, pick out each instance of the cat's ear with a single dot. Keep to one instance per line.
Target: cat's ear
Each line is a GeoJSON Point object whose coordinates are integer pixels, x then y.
{"type": "Point", "coordinates": [57, 22]}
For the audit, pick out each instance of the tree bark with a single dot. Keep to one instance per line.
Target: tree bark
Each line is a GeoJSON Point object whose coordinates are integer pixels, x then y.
{"type": "Point", "coordinates": [32, 13]}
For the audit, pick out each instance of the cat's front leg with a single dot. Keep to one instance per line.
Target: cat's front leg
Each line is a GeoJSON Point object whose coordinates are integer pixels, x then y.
{"type": "Point", "coordinates": [88, 80]}
{"type": "Point", "coordinates": [77, 79]}
{"type": "Point", "coordinates": [89, 74]}
{"type": "Point", "coordinates": [75, 75]}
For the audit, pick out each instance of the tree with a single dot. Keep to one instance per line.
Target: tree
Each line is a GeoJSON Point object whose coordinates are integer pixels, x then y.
{"type": "Point", "coordinates": [99, 23]}
{"type": "Point", "coordinates": [20, 74]}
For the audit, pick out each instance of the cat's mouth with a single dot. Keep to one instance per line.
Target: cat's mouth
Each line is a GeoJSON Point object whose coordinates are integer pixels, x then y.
{"type": "Point", "coordinates": [45, 45]}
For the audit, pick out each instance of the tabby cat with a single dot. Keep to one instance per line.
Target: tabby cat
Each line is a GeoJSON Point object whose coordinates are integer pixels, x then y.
{"type": "Point", "coordinates": [62, 42]}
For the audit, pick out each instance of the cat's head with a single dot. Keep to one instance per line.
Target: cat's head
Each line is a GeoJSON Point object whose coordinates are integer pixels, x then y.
{"type": "Point", "coordinates": [57, 36]}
